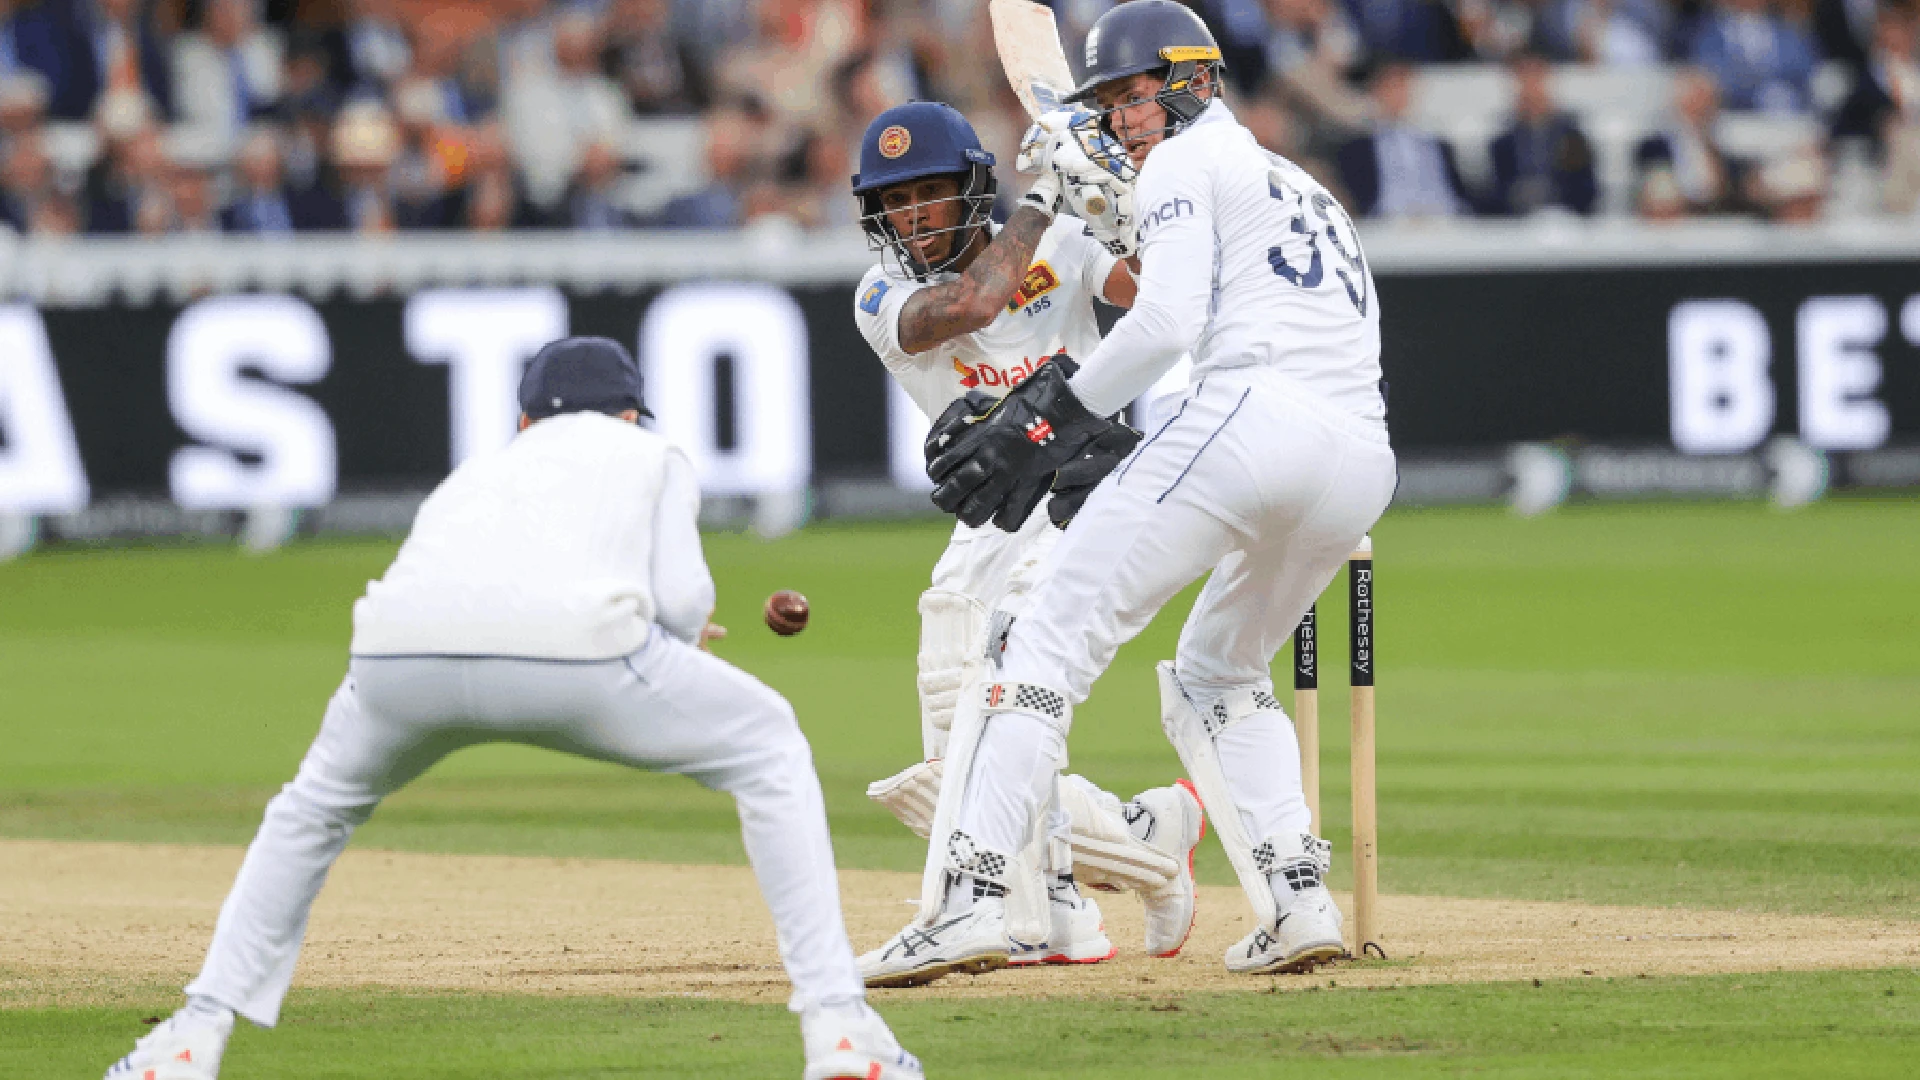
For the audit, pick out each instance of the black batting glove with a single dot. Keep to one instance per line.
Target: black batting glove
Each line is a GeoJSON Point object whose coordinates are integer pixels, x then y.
{"type": "Point", "coordinates": [1077, 478]}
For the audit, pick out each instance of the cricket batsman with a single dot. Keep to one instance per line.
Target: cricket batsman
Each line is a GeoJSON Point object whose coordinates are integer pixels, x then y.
{"type": "Point", "coordinates": [551, 593]}
{"type": "Point", "coordinates": [961, 312]}
{"type": "Point", "coordinates": [1271, 470]}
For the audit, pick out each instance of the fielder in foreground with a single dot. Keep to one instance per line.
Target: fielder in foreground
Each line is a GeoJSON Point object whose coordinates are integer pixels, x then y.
{"type": "Point", "coordinates": [1273, 468]}
{"type": "Point", "coordinates": [551, 593]}
{"type": "Point", "coordinates": [960, 313]}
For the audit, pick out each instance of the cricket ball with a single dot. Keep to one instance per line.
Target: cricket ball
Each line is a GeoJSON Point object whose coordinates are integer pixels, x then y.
{"type": "Point", "coordinates": [787, 613]}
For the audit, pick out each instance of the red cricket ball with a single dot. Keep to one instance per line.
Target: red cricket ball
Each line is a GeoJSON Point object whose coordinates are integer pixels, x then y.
{"type": "Point", "coordinates": [787, 613]}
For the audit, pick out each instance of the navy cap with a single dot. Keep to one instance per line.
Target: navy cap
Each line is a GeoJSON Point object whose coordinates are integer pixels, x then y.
{"type": "Point", "coordinates": [581, 374]}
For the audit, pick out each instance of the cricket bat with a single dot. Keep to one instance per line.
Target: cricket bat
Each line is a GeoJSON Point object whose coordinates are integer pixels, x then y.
{"type": "Point", "coordinates": [1030, 53]}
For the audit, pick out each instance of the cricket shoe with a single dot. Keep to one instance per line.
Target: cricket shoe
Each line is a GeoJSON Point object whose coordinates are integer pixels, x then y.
{"type": "Point", "coordinates": [851, 1042]}
{"type": "Point", "coordinates": [1177, 823]}
{"type": "Point", "coordinates": [1307, 936]}
{"type": "Point", "coordinates": [1078, 935]}
{"type": "Point", "coordinates": [973, 941]}
{"type": "Point", "coordinates": [177, 1049]}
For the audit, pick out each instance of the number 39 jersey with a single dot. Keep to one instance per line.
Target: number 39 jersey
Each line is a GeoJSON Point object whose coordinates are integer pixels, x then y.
{"type": "Point", "coordinates": [1052, 313]}
{"type": "Point", "coordinates": [1247, 260]}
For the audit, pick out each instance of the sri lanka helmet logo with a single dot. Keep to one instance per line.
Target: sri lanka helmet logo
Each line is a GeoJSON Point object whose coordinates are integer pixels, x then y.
{"type": "Point", "coordinates": [894, 142]}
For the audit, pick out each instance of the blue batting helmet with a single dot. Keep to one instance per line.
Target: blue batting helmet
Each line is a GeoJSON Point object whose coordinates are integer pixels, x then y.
{"type": "Point", "coordinates": [915, 141]}
{"type": "Point", "coordinates": [1145, 36]}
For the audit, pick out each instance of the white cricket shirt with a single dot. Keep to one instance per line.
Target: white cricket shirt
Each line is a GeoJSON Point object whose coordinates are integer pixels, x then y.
{"type": "Point", "coordinates": [1245, 259]}
{"type": "Point", "coordinates": [566, 544]}
{"type": "Point", "coordinates": [1052, 313]}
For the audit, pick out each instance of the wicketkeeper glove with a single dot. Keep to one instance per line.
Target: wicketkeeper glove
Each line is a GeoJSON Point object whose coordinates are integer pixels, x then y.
{"type": "Point", "coordinates": [1037, 428]}
{"type": "Point", "coordinates": [1077, 478]}
{"type": "Point", "coordinates": [954, 420]}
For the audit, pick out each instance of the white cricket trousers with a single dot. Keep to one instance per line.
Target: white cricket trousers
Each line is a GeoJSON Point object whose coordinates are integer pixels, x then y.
{"type": "Point", "coordinates": [1252, 478]}
{"type": "Point", "coordinates": [667, 707]}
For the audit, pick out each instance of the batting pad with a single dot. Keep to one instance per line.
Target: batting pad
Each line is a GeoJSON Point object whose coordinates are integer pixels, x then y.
{"type": "Point", "coordinates": [952, 625]}
{"type": "Point", "coordinates": [1192, 739]}
{"type": "Point", "coordinates": [1028, 918]}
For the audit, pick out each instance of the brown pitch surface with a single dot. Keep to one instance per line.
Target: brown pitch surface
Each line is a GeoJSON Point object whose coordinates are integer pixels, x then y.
{"type": "Point", "coordinates": [94, 923]}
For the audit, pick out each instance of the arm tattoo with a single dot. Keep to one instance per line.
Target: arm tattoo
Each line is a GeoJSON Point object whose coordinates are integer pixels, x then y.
{"type": "Point", "coordinates": [974, 300]}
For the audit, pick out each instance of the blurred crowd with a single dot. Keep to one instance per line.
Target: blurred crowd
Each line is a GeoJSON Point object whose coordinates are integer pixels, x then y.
{"type": "Point", "coordinates": [272, 116]}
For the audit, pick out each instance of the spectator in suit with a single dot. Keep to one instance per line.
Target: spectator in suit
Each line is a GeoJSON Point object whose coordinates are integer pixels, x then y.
{"type": "Point", "coordinates": [1398, 171]}
{"type": "Point", "coordinates": [1760, 60]}
{"type": "Point", "coordinates": [1543, 160]}
{"type": "Point", "coordinates": [431, 152]}
{"type": "Point", "coordinates": [1681, 171]}
{"type": "Point", "coordinates": [260, 205]}
{"type": "Point", "coordinates": [591, 204]}
{"type": "Point", "coordinates": [228, 73]}
{"type": "Point", "coordinates": [195, 210]}
{"type": "Point", "coordinates": [85, 47]}
{"type": "Point", "coordinates": [1886, 88]}
{"type": "Point", "coordinates": [365, 143]}
{"type": "Point", "coordinates": [659, 71]}
{"type": "Point", "coordinates": [131, 170]}
{"type": "Point", "coordinates": [732, 165]}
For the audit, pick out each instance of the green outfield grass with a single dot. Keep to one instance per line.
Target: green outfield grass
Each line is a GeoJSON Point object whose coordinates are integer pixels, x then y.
{"type": "Point", "coordinates": [1700, 704]}
{"type": "Point", "coordinates": [1854, 1024]}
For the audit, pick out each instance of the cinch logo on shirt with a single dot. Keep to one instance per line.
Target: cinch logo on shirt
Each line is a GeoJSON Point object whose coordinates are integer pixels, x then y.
{"type": "Point", "coordinates": [870, 300]}
{"type": "Point", "coordinates": [980, 375]}
{"type": "Point", "coordinates": [1039, 281]}
{"type": "Point", "coordinates": [1166, 211]}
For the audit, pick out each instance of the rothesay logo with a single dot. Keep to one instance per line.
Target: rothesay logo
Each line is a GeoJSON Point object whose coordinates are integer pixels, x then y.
{"type": "Point", "coordinates": [1093, 46]}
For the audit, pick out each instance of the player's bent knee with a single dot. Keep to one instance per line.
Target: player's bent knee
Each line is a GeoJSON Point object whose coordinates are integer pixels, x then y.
{"type": "Point", "coordinates": [300, 807]}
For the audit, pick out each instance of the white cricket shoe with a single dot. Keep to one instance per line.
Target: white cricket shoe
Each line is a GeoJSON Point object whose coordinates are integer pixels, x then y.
{"type": "Point", "coordinates": [973, 941]}
{"type": "Point", "coordinates": [1179, 823]}
{"type": "Point", "coordinates": [177, 1049]}
{"type": "Point", "coordinates": [851, 1042]}
{"type": "Point", "coordinates": [1306, 935]}
{"type": "Point", "coordinates": [1078, 936]}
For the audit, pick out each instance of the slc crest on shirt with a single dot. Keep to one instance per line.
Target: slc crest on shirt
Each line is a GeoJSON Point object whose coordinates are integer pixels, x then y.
{"type": "Point", "coordinates": [1052, 313]}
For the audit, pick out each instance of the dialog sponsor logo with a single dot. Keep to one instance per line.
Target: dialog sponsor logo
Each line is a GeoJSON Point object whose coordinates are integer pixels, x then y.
{"type": "Point", "coordinates": [980, 376]}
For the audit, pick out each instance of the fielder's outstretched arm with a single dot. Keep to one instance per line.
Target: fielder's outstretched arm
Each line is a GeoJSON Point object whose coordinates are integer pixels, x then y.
{"type": "Point", "coordinates": [1176, 285]}
{"type": "Point", "coordinates": [977, 297]}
